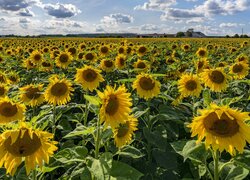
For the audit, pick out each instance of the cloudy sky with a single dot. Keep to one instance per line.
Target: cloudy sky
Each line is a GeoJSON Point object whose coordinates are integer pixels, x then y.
{"type": "Point", "coordinates": [212, 17]}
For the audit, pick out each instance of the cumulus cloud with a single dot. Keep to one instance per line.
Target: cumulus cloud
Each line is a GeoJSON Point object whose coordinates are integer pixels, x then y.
{"type": "Point", "coordinates": [61, 10]}
{"type": "Point", "coordinates": [25, 12]}
{"type": "Point", "coordinates": [16, 5]}
{"type": "Point", "coordinates": [149, 27]}
{"type": "Point", "coordinates": [157, 5]}
{"type": "Point", "coordinates": [228, 25]}
{"type": "Point", "coordinates": [115, 19]}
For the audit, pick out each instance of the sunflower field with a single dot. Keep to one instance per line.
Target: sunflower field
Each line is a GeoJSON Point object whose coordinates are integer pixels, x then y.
{"type": "Point", "coordinates": [89, 108]}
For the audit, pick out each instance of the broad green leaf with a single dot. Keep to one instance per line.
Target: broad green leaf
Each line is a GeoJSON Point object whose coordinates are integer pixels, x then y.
{"type": "Point", "coordinates": [130, 151]}
{"type": "Point", "coordinates": [93, 100]}
{"type": "Point", "coordinates": [80, 131]}
{"type": "Point", "coordinates": [122, 170]}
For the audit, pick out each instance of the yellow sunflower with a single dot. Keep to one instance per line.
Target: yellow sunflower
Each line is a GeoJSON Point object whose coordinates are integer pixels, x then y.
{"type": "Point", "coordinates": [215, 79]}
{"type": "Point", "coordinates": [116, 105]}
{"type": "Point", "coordinates": [90, 56]}
{"type": "Point", "coordinates": [28, 64]}
{"type": "Point", "coordinates": [3, 78]}
{"type": "Point", "coordinates": [142, 50]}
{"type": "Point", "coordinates": [104, 50]}
{"type": "Point", "coordinates": [23, 143]}
{"type": "Point", "coordinates": [124, 132]}
{"type": "Point", "coordinates": [224, 128]}
{"type": "Point", "coordinates": [189, 85]}
{"type": "Point", "coordinates": [11, 111]}
{"type": "Point", "coordinates": [146, 86]}
{"type": "Point", "coordinates": [239, 70]}
{"type": "Point", "coordinates": [201, 52]}
{"type": "Point", "coordinates": [46, 66]}
{"type": "Point", "coordinates": [3, 90]}
{"type": "Point", "coordinates": [120, 61]}
{"type": "Point", "coordinates": [32, 95]}
{"type": "Point", "coordinates": [107, 65]}
{"type": "Point", "coordinates": [63, 60]}
{"type": "Point", "coordinates": [58, 91]}
{"type": "Point", "coordinates": [141, 65]}
{"type": "Point", "coordinates": [36, 57]}
{"type": "Point", "coordinates": [88, 77]}
{"type": "Point", "coordinates": [201, 64]}
{"type": "Point", "coordinates": [242, 58]}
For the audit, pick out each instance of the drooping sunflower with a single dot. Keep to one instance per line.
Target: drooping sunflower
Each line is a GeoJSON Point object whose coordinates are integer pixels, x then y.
{"type": "Point", "coordinates": [201, 64]}
{"type": "Point", "coordinates": [146, 86]}
{"type": "Point", "coordinates": [116, 105]}
{"type": "Point", "coordinates": [215, 79]}
{"type": "Point", "coordinates": [189, 85]}
{"type": "Point", "coordinates": [3, 90]}
{"type": "Point", "coordinates": [32, 95]}
{"type": "Point", "coordinates": [124, 132]}
{"type": "Point", "coordinates": [36, 57]}
{"type": "Point", "coordinates": [239, 70]}
{"type": "Point", "coordinates": [58, 91]}
{"type": "Point", "coordinates": [107, 65]}
{"type": "Point", "coordinates": [24, 143]}
{"type": "Point", "coordinates": [201, 52]}
{"type": "Point", "coordinates": [63, 60]}
{"type": "Point", "coordinates": [88, 77]}
{"type": "Point", "coordinates": [11, 111]}
{"type": "Point", "coordinates": [222, 127]}
{"type": "Point", "coordinates": [120, 61]}
{"type": "Point", "coordinates": [28, 64]}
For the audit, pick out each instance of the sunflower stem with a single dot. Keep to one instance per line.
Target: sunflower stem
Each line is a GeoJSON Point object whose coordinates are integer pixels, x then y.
{"type": "Point", "coordinates": [34, 175]}
{"type": "Point", "coordinates": [54, 120]}
{"type": "Point", "coordinates": [97, 140]}
{"type": "Point", "coordinates": [216, 164]}
{"type": "Point", "coordinates": [86, 113]}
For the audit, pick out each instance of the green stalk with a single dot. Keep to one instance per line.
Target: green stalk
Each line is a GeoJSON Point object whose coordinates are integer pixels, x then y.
{"type": "Point", "coordinates": [216, 164]}
{"type": "Point", "coordinates": [97, 139]}
{"type": "Point", "coordinates": [86, 113]}
{"type": "Point", "coordinates": [34, 175]}
{"type": "Point", "coordinates": [54, 120]}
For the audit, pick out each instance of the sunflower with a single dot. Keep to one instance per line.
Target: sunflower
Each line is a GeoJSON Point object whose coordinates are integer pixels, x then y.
{"type": "Point", "coordinates": [122, 50]}
{"type": "Point", "coordinates": [224, 128]}
{"type": "Point", "coordinates": [3, 78]}
{"type": "Point", "coordinates": [58, 91]}
{"type": "Point", "coordinates": [186, 47]}
{"type": "Point", "coordinates": [142, 50]}
{"type": "Point", "coordinates": [90, 56]}
{"type": "Point", "coordinates": [36, 57]}
{"type": "Point", "coordinates": [23, 143]}
{"type": "Point", "coordinates": [124, 132]}
{"type": "Point", "coordinates": [215, 79]}
{"type": "Point", "coordinates": [10, 111]}
{"type": "Point", "coordinates": [141, 65]}
{"type": "Point", "coordinates": [201, 64]}
{"type": "Point", "coordinates": [201, 52]}
{"type": "Point", "coordinates": [146, 86]}
{"type": "Point", "coordinates": [189, 85]}
{"type": "Point", "coordinates": [239, 70]}
{"type": "Point", "coordinates": [242, 58]}
{"type": "Point", "coordinates": [116, 105]}
{"type": "Point", "coordinates": [107, 65]}
{"type": "Point", "coordinates": [88, 77]}
{"type": "Point", "coordinates": [72, 51]}
{"type": "Point", "coordinates": [63, 59]}
{"type": "Point", "coordinates": [222, 64]}
{"type": "Point", "coordinates": [3, 90]}
{"type": "Point", "coordinates": [120, 61]}
{"type": "Point", "coordinates": [104, 50]}
{"type": "Point", "coordinates": [32, 95]}
{"type": "Point", "coordinates": [46, 66]}
{"type": "Point", "coordinates": [28, 64]}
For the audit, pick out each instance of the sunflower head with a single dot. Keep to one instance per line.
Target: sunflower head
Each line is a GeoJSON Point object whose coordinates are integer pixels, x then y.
{"type": "Point", "coordinates": [10, 111]}
{"type": "Point", "coordinates": [120, 61]}
{"type": "Point", "coordinates": [58, 91]}
{"type": "Point", "coordinates": [63, 59]}
{"type": "Point", "coordinates": [104, 50]}
{"type": "Point", "coordinates": [189, 85]}
{"type": "Point", "coordinates": [142, 50]}
{"type": "Point", "coordinates": [3, 90]}
{"type": "Point", "coordinates": [116, 105]}
{"type": "Point", "coordinates": [124, 132]}
{"type": "Point", "coordinates": [215, 79]}
{"type": "Point", "coordinates": [146, 86]}
{"type": "Point", "coordinates": [141, 65]}
{"type": "Point", "coordinates": [107, 65]}
{"type": "Point", "coordinates": [32, 95]}
{"type": "Point", "coordinates": [201, 52]}
{"type": "Point", "coordinates": [224, 128]}
{"type": "Point", "coordinates": [89, 78]}
{"type": "Point", "coordinates": [25, 143]}
{"type": "Point", "coordinates": [36, 57]}
{"type": "Point", "coordinates": [239, 70]}
{"type": "Point", "coordinates": [90, 56]}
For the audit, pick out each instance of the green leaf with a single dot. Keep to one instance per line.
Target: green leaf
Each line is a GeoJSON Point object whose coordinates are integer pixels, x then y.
{"type": "Point", "coordinates": [165, 159]}
{"type": "Point", "coordinates": [206, 97]}
{"type": "Point", "coordinates": [126, 80]}
{"type": "Point", "coordinates": [93, 100]}
{"type": "Point", "coordinates": [130, 151]}
{"type": "Point", "coordinates": [138, 114]}
{"type": "Point", "coordinates": [122, 170]}
{"type": "Point", "coordinates": [80, 131]}
{"type": "Point", "coordinates": [243, 159]}
{"type": "Point", "coordinates": [49, 169]}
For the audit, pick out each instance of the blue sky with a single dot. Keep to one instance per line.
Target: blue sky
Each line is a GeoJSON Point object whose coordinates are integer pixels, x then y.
{"type": "Point", "coordinates": [212, 17]}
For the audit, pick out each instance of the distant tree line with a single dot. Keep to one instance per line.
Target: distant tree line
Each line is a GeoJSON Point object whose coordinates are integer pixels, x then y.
{"type": "Point", "coordinates": [238, 36]}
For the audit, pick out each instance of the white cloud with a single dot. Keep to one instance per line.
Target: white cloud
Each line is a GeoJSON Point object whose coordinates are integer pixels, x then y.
{"type": "Point", "coordinates": [156, 5]}
{"type": "Point", "coordinates": [59, 10]}
{"type": "Point", "coordinates": [16, 5]}
{"type": "Point", "coordinates": [115, 19]}
{"type": "Point", "coordinates": [149, 27]}
{"type": "Point", "coordinates": [228, 25]}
